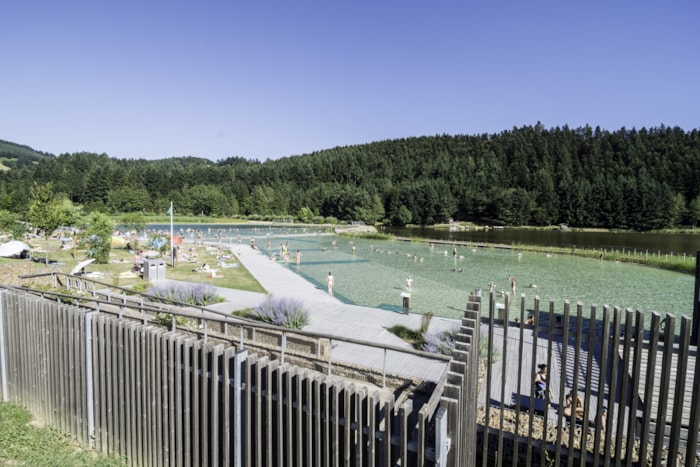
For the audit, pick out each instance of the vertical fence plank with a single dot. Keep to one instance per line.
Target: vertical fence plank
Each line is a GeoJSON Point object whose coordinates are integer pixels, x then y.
{"type": "Point", "coordinates": [602, 381]}
{"type": "Point", "coordinates": [216, 353]}
{"type": "Point", "coordinates": [278, 410]}
{"type": "Point", "coordinates": [613, 406]}
{"type": "Point", "coordinates": [679, 392]}
{"type": "Point", "coordinates": [267, 391]}
{"type": "Point", "coordinates": [404, 410]}
{"type": "Point", "coordinates": [246, 386]}
{"type": "Point", "coordinates": [298, 427]}
{"type": "Point", "coordinates": [533, 371]}
{"type": "Point", "coordinates": [120, 387]}
{"type": "Point", "coordinates": [664, 386]}
{"type": "Point", "coordinates": [590, 377]}
{"type": "Point", "coordinates": [372, 411]}
{"type": "Point", "coordinates": [624, 376]}
{"type": "Point", "coordinates": [562, 379]}
{"type": "Point", "coordinates": [196, 403]}
{"type": "Point", "coordinates": [290, 377]}
{"type": "Point", "coordinates": [504, 371]}
{"type": "Point", "coordinates": [227, 408]}
{"type": "Point", "coordinates": [487, 402]}
{"type": "Point", "coordinates": [359, 422]}
{"type": "Point", "coordinates": [635, 377]}
{"type": "Point", "coordinates": [694, 421]}
{"type": "Point", "coordinates": [188, 405]}
{"type": "Point", "coordinates": [649, 383]}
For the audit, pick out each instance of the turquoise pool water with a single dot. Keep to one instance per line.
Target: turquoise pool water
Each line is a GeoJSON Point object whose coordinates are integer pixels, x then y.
{"type": "Point", "coordinates": [375, 273]}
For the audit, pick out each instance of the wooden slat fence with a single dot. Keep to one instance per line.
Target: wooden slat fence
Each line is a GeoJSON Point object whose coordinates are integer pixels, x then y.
{"type": "Point", "coordinates": [160, 397]}
{"type": "Point", "coordinates": [635, 376]}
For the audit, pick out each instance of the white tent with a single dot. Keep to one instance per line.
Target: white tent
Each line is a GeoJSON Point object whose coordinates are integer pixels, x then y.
{"type": "Point", "coordinates": [14, 249]}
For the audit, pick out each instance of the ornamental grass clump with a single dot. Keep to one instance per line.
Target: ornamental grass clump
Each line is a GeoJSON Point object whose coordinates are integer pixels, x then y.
{"type": "Point", "coordinates": [441, 342]}
{"type": "Point", "coordinates": [283, 311]}
{"type": "Point", "coordinates": [191, 294]}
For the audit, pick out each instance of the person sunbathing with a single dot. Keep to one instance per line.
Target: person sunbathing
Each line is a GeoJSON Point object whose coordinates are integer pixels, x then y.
{"type": "Point", "coordinates": [569, 405]}
{"type": "Point", "coordinates": [541, 383]}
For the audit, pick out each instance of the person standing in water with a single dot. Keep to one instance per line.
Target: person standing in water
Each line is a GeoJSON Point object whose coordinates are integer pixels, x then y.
{"type": "Point", "coordinates": [329, 283]}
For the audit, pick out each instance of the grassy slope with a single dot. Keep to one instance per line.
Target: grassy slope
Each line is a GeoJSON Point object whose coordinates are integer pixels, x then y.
{"type": "Point", "coordinates": [121, 261]}
{"type": "Point", "coordinates": [22, 442]}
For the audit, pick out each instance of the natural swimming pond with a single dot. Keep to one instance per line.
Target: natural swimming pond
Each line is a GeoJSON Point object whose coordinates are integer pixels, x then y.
{"type": "Point", "coordinates": [375, 273]}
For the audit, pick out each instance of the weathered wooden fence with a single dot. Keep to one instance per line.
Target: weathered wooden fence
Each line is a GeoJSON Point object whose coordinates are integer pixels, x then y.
{"type": "Point", "coordinates": [634, 373]}
{"type": "Point", "coordinates": [161, 397]}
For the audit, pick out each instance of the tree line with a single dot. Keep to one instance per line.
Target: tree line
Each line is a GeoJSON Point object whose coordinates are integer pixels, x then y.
{"type": "Point", "coordinates": [629, 179]}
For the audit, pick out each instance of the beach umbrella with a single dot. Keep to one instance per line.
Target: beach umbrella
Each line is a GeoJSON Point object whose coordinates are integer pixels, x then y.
{"type": "Point", "coordinates": [13, 249]}
{"type": "Point", "coordinates": [80, 266]}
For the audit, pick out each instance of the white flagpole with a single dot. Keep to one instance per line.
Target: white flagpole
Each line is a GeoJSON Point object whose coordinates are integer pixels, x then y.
{"type": "Point", "coordinates": [172, 238]}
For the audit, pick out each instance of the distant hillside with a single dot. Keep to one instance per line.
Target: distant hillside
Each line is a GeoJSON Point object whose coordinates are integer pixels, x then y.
{"type": "Point", "coordinates": [16, 156]}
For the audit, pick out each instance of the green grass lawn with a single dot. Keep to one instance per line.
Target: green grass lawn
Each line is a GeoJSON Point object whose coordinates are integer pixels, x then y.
{"type": "Point", "coordinates": [23, 441]}
{"type": "Point", "coordinates": [122, 260]}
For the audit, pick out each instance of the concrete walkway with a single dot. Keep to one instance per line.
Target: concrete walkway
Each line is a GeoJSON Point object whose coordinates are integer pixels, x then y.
{"type": "Point", "coordinates": [328, 315]}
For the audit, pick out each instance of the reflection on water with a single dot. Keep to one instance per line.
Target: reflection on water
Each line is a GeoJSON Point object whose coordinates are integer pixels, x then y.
{"type": "Point", "coordinates": [375, 274]}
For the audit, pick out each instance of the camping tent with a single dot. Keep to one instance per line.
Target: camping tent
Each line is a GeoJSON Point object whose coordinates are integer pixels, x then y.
{"type": "Point", "coordinates": [14, 249]}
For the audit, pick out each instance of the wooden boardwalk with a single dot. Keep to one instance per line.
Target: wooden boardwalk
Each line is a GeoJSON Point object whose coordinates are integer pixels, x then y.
{"type": "Point", "coordinates": [512, 371]}
{"type": "Point", "coordinates": [652, 395]}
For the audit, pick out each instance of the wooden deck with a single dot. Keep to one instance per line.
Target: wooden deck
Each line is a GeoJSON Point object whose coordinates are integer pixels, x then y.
{"type": "Point", "coordinates": [513, 369]}
{"type": "Point", "coordinates": [651, 394]}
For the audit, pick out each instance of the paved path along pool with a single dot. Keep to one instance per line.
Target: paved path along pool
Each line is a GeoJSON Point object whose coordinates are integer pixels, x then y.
{"type": "Point", "coordinates": [328, 315]}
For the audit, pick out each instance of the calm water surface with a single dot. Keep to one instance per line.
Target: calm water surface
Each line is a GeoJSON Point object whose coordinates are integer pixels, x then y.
{"type": "Point", "coordinates": [653, 243]}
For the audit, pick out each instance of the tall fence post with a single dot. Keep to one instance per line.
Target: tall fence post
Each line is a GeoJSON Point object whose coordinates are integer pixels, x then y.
{"type": "Point", "coordinates": [3, 361]}
{"type": "Point", "coordinates": [696, 303]}
{"type": "Point", "coordinates": [239, 384]}
{"type": "Point", "coordinates": [89, 396]}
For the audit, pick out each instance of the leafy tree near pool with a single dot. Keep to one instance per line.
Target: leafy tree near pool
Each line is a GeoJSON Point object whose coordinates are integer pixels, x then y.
{"type": "Point", "coordinates": [47, 211]}
{"type": "Point", "coordinates": [98, 236]}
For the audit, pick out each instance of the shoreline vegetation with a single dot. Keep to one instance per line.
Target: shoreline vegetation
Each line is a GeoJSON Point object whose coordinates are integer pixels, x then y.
{"type": "Point", "coordinates": [682, 264]}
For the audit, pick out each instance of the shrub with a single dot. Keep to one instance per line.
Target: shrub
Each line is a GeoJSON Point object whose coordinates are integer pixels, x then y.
{"type": "Point", "coordinates": [165, 319]}
{"type": "Point", "coordinates": [191, 294]}
{"type": "Point", "coordinates": [441, 342]}
{"type": "Point", "coordinates": [405, 333]}
{"type": "Point", "coordinates": [285, 312]}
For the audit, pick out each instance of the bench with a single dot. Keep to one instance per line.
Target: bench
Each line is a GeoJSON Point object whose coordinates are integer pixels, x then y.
{"type": "Point", "coordinates": [528, 403]}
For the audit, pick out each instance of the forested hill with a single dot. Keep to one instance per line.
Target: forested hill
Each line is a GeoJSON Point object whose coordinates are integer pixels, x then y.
{"type": "Point", "coordinates": [16, 156]}
{"type": "Point", "coordinates": [640, 179]}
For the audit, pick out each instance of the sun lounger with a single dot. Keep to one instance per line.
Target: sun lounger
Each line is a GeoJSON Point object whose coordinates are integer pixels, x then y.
{"type": "Point", "coordinates": [528, 403]}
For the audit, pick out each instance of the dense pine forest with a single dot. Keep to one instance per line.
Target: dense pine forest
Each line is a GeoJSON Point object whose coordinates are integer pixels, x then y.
{"type": "Point", "coordinates": [629, 179]}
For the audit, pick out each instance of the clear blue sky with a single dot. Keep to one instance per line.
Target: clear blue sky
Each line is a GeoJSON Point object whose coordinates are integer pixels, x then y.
{"type": "Point", "coordinates": [259, 80]}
